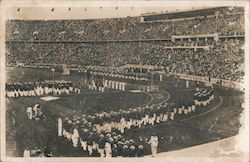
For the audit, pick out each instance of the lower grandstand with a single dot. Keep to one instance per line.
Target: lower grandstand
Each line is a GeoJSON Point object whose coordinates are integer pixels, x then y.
{"type": "Point", "coordinates": [122, 87]}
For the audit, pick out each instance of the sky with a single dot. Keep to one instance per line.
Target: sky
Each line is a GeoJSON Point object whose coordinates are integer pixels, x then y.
{"type": "Point", "coordinates": [99, 9]}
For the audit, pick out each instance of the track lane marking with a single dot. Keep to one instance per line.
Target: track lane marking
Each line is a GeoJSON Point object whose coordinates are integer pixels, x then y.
{"type": "Point", "coordinates": [152, 98]}
{"type": "Point", "coordinates": [221, 101]}
{"type": "Point", "coordinates": [166, 98]}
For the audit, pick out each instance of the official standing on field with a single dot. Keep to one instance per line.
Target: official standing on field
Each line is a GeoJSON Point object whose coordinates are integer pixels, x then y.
{"type": "Point", "coordinates": [154, 144]}
{"type": "Point", "coordinates": [26, 152]}
{"type": "Point", "coordinates": [60, 127]}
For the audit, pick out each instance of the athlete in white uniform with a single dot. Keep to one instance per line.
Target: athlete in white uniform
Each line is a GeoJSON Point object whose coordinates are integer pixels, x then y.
{"type": "Point", "coordinates": [75, 137]}
{"type": "Point", "coordinates": [26, 152]}
{"type": "Point", "coordinates": [154, 144]}
{"type": "Point", "coordinates": [60, 126]}
{"type": "Point", "coordinates": [29, 112]}
{"type": "Point", "coordinates": [108, 150]}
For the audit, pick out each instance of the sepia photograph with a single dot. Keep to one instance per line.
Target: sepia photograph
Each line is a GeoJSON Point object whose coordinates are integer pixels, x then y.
{"type": "Point", "coordinates": [154, 80]}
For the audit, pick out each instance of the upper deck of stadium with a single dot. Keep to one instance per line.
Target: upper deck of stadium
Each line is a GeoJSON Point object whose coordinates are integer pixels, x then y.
{"type": "Point", "coordinates": [201, 13]}
{"type": "Point", "coordinates": [225, 21]}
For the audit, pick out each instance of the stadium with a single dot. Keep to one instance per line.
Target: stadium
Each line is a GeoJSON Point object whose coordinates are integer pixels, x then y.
{"type": "Point", "coordinates": [112, 84]}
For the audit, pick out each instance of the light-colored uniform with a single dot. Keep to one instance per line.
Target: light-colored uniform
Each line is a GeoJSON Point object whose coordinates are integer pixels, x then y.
{"type": "Point", "coordinates": [35, 109]}
{"type": "Point", "coordinates": [172, 115]}
{"type": "Point", "coordinates": [187, 84]}
{"type": "Point", "coordinates": [83, 144]}
{"type": "Point", "coordinates": [29, 112]}
{"type": "Point", "coordinates": [108, 150]}
{"type": "Point", "coordinates": [122, 124]}
{"type": "Point", "coordinates": [154, 144]}
{"type": "Point", "coordinates": [75, 137]}
{"type": "Point", "coordinates": [60, 127]}
{"type": "Point", "coordinates": [26, 153]}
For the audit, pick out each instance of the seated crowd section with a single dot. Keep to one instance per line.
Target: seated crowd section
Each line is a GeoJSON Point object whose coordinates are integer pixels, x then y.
{"type": "Point", "coordinates": [133, 41]}
{"type": "Point", "coordinates": [130, 28]}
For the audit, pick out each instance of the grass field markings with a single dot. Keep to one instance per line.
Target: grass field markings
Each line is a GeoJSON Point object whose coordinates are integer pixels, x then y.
{"type": "Point", "coordinates": [221, 101]}
{"type": "Point", "coordinates": [69, 109]}
{"type": "Point", "coordinates": [189, 89]}
{"type": "Point", "coordinates": [229, 114]}
{"type": "Point", "coordinates": [28, 124]}
{"type": "Point", "coordinates": [49, 98]}
{"type": "Point", "coordinates": [189, 126]}
{"type": "Point", "coordinates": [211, 127]}
{"type": "Point", "coordinates": [166, 98]}
{"type": "Point", "coordinates": [151, 100]}
{"type": "Point", "coordinates": [222, 127]}
{"type": "Point", "coordinates": [57, 106]}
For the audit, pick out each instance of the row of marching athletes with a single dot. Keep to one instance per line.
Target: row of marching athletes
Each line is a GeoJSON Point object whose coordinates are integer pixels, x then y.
{"type": "Point", "coordinates": [102, 85]}
{"type": "Point", "coordinates": [118, 75]}
{"type": "Point", "coordinates": [40, 88]}
{"type": "Point", "coordinates": [96, 143]}
{"type": "Point", "coordinates": [148, 115]}
{"type": "Point", "coordinates": [118, 121]}
{"type": "Point", "coordinates": [121, 76]}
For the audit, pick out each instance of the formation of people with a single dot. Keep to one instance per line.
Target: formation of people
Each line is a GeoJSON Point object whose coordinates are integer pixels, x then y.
{"type": "Point", "coordinates": [40, 88]}
{"type": "Point", "coordinates": [82, 134]}
{"type": "Point", "coordinates": [44, 152]}
{"type": "Point", "coordinates": [35, 112]}
{"type": "Point", "coordinates": [148, 115]}
{"type": "Point", "coordinates": [116, 74]}
{"type": "Point", "coordinates": [102, 85]}
{"type": "Point", "coordinates": [103, 132]}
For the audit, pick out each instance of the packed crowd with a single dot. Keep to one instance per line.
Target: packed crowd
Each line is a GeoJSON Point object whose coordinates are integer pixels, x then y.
{"type": "Point", "coordinates": [102, 133]}
{"type": "Point", "coordinates": [187, 56]}
{"type": "Point", "coordinates": [199, 61]}
{"type": "Point", "coordinates": [130, 28]}
{"type": "Point", "coordinates": [40, 88]}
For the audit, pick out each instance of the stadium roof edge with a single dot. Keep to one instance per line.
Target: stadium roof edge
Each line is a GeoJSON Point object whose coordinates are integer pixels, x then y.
{"type": "Point", "coordinates": [183, 11]}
